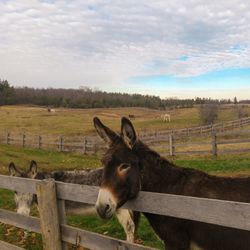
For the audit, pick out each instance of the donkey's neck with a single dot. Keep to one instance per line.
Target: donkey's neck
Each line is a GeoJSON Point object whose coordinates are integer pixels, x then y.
{"type": "Point", "coordinates": [86, 177]}
{"type": "Point", "coordinates": [158, 174]}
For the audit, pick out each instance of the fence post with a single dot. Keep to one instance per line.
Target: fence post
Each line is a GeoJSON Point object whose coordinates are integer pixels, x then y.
{"type": "Point", "coordinates": [61, 146]}
{"type": "Point", "coordinates": [8, 138]}
{"type": "Point", "coordinates": [23, 140]}
{"type": "Point", "coordinates": [171, 145]}
{"type": "Point", "coordinates": [95, 149]}
{"type": "Point", "coordinates": [49, 217]}
{"type": "Point", "coordinates": [39, 141]}
{"type": "Point", "coordinates": [62, 218]}
{"type": "Point", "coordinates": [84, 145]}
{"type": "Point", "coordinates": [214, 144]}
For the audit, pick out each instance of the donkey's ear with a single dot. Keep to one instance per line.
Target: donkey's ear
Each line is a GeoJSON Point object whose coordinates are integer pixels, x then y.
{"type": "Point", "coordinates": [128, 132]}
{"type": "Point", "coordinates": [108, 135]}
{"type": "Point", "coordinates": [32, 172]}
{"type": "Point", "coordinates": [13, 170]}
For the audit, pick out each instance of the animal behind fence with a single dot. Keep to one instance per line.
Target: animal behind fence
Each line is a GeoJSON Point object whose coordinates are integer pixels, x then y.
{"type": "Point", "coordinates": [24, 201]}
{"type": "Point", "coordinates": [131, 166]}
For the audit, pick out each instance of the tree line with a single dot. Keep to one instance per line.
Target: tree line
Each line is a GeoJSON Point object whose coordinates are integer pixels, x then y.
{"type": "Point", "coordinates": [88, 98]}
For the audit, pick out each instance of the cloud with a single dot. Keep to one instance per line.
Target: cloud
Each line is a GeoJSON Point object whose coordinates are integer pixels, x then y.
{"type": "Point", "coordinates": [105, 43]}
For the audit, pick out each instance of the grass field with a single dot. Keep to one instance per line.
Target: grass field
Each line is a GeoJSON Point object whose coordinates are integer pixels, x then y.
{"type": "Point", "coordinates": [53, 160]}
{"type": "Point", "coordinates": [37, 120]}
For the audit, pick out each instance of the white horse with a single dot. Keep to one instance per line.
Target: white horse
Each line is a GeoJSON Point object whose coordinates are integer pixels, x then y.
{"type": "Point", "coordinates": [166, 117]}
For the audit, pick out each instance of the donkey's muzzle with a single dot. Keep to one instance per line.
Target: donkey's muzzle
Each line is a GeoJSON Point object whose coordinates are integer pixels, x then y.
{"type": "Point", "coordinates": [104, 211]}
{"type": "Point", "coordinates": [105, 204]}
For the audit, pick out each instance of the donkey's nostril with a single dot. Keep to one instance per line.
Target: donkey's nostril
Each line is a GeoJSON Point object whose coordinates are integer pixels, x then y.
{"type": "Point", "coordinates": [104, 211]}
{"type": "Point", "coordinates": [107, 207]}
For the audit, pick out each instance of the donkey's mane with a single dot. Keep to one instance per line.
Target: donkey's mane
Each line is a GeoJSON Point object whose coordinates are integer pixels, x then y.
{"type": "Point", "coordinates": [86, 176]}
{"type": "Point", "coordinates": [158, 172]}
{"type": "Point", "coordinates": [161, 162]}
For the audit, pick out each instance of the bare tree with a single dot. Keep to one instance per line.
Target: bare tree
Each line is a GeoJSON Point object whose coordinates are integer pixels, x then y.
{"type": "Point", "coordinates": [209, 113]}
{"type": "Point", "coordinates": [242, 111]}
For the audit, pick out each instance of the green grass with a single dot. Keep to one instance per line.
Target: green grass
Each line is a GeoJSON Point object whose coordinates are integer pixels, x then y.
{"type": "Point", "coordinates": [47, 160]}
{"type": "Point", "coordinates": [233, 164]}
{"type": "Point", "coordinates": [7, 199]}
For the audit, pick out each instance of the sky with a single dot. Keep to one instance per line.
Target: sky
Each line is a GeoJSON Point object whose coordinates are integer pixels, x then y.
{"type": "Point", "coordinates": [182, 48]}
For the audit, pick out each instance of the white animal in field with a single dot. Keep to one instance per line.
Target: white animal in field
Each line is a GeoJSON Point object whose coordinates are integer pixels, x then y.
{"type": "Point", "coordinates": [51, 110]}
{"type": "Point", "coordinates": [166, 117]}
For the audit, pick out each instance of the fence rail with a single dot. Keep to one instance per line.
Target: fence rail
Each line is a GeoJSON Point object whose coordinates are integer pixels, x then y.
{"type": "Point", "coordinates": [214, 147]}
{"type": "Point", "coordinates": [7, 246]}
{"type": "Point", "coordinates": [198, 131]}
{"type": "Point", "coordinates": [219, 212]}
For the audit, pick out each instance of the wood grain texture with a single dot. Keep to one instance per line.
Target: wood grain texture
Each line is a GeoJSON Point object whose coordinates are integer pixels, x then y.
{"type": "Point", "coordinates": [26, 222]}
{"type": "Point", "coordinates": [96, 241]}
{"type": "Point", "coordinates": [224, 213]}
{"type": "Point", "coordinates": [7, 246]}
{"type": "Point", "coordinates": [49, 216]}
{"type": "Point", "coordinates": [62, 218]}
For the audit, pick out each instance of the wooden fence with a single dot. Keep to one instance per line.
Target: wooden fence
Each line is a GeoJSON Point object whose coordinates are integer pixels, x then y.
{"type": "Point", "coordinates": [215, 146]}
{"type": "Point", "coordinates": [195, 131]}
{"type": "Point", "coordinates": [92, 144]}
{"type": "Point", "coordinates": [56, 233]}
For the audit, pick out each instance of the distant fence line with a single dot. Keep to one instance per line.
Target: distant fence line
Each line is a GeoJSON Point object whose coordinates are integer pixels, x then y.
{"type": "Point", "coordinates": [93, 145]}
{"type": "Point", "coordinates": [198, 130]}
{"type": "Point", "coordinates": [212, 146]}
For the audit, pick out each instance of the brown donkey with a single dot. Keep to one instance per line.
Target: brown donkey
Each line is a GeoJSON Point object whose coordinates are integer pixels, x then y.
{"type": "Point", "coordinates": [131, 166]}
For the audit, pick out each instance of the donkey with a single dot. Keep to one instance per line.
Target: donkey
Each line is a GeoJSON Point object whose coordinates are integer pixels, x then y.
{"type": "Point", "coordinates": [131, 166]}
{"type": "Point", "coordinates": [128, 219]}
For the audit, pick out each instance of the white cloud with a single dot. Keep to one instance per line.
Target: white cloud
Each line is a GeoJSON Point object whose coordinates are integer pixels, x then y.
{"type": "Point", "coordinates": [99, 43]}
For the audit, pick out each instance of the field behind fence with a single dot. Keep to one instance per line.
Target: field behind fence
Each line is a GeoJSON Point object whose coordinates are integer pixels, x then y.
{"type": "Point", "coordinates": [56, 233]}
{"type": "Point", "coordinates": [167, 141]}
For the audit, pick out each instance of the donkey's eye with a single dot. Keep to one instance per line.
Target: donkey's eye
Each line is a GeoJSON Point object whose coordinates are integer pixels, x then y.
{"type": "Point", "coordinates": [124, 167]}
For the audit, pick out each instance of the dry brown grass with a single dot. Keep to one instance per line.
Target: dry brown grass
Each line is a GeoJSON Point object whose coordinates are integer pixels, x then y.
{"type": "Point", "coordinates": [37, 120]}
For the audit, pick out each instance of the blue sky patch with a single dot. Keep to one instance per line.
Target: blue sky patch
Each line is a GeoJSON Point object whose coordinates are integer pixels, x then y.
{"type": "Point", "coordinates": [228, 78]}
{"type": "Point", "coordinates": [183, 58]}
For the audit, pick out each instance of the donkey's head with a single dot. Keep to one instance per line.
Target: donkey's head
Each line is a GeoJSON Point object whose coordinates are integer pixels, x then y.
{"type": "Point", "coordinates": [121, 173]}
{"type": "Point", "coordinates": [23, 200]}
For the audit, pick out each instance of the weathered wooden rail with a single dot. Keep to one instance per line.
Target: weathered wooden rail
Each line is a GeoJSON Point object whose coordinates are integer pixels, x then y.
{"type": "Point", "coordinates": [56, 233]}
{"type": "Point", "coordinates": [92, 144]}
{"type": "Point", "coordinates": [214, 146]}
{"type": "Point", "coordinates": [198, 130]}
